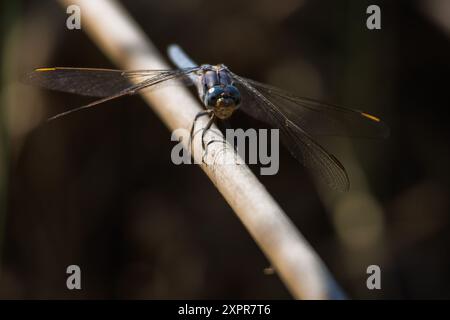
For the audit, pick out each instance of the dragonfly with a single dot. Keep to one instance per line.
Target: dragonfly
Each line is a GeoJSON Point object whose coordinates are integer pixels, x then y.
{"type": "Point", "coordinates": [300, 120]}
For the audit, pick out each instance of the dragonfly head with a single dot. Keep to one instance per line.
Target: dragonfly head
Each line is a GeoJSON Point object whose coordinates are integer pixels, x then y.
{"type": "Point", "coordinates": [223, 100]}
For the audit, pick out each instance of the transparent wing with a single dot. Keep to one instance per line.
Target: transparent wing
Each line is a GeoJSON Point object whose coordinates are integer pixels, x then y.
{"type": "Point", "coordinates": [318, 118]}
{"type": "Point", "coordinates": [298, 141]}
{"type": "Point", "coordinates": [98, 82]}
{"type": "Point", "coordinates": [106, 83]}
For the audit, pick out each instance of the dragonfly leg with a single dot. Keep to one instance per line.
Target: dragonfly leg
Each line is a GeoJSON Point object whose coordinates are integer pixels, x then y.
{"type": "Point", "coordinates": [191, 135]}
{"type": "Point", "coordinates": [205, 129]}
{"type": "Point", "coordinates": [206, 148]}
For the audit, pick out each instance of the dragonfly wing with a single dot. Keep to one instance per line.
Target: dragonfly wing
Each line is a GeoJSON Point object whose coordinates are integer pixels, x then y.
{"type": "Point", "coordinates": [105, 83]}
{"type": "Point", "coordinates": [299, 142]}
{"type": "Point", "coordinates": [98, 82]}
{"type": "Point", "coordinates": [319, 118]}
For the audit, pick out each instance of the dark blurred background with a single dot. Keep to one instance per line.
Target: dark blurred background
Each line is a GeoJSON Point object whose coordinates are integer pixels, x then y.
{"type": "Point", "coordinates": [98, 189]}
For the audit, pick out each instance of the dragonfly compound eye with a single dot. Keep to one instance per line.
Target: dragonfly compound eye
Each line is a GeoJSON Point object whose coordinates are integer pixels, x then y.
{"type": "Point", "coordinates": [233, 93]}
{"type": "Point", "coordinates": [212, 96]}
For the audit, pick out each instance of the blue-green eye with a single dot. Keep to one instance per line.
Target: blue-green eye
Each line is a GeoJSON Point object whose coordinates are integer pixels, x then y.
{"type": "Point", "coordinates": [212, 95]}
{"type": "Point", "coordinates": [233, 93]}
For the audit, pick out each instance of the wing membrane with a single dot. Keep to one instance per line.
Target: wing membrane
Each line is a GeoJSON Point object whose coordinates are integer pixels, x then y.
{"type": "Point", "coordinates": [94, 82]}
{"type": "Point", "coordinates": [298, 141]}
{"type": "Point", "coordinates": [105, 83]}
{"type": "Point", "coordinates": [318, 118]}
